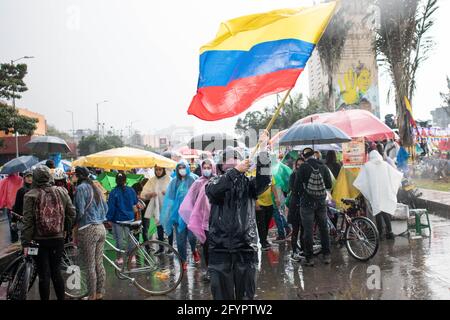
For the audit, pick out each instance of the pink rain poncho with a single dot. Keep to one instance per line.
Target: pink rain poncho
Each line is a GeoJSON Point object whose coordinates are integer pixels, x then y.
{"type": "Point", "coordinates": [195, 209]}
{"type": "Point", "coordinates": [8, 190]}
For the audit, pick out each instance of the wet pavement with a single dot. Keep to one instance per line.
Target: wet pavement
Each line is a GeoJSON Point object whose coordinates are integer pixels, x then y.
{"type": "Point", "coordinates": [409, 269]}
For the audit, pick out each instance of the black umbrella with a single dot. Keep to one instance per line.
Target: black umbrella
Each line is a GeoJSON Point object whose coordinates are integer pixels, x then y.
{"type": "Point", "coordinates": [48, 144]}
{"type": "Point", "coordinates": [313, 133]}
{"type": "Point", "coordinates": [212, 141]}
{"type": "Point", "coordinates": [19, 164]}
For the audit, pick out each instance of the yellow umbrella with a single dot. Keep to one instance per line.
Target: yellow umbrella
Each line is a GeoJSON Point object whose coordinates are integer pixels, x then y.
{"type": "Point", "coordinates": [80, 162]}
{"type": "Point", "coordinates": [127, 158]}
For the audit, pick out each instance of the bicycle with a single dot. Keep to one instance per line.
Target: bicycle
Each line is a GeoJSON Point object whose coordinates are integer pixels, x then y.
{"type": "Point", "coordinates": [20, 274]}
{"type": "Point", "coordinates": [154, 267]}
{"type": "Point", "coordinates": [352, 229]}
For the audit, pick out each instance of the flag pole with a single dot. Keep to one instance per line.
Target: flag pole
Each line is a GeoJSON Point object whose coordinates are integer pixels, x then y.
{"type": "Point", "coordinates": [272, 121]}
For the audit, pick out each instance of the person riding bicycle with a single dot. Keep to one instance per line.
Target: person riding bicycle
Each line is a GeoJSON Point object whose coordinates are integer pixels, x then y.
{"type": "Point", "coordinates": [48, 213]}
{"type": "Point", "coordinates": [312, 180]}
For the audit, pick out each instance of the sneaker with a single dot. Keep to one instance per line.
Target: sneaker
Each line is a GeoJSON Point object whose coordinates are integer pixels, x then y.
{"type": "Point", "coordinates": [196, 256]}
{"type": "Point", "coordinates": [296, 257]}
{"type": "Point", "coordinates": [266, 247]}
{"type": "Point", "coordinates": [279, 240]}
{"type": "Point", "coordinates": [119, 261]}
{"type": "Point", "coordinates": [309, 262]}
{"type": "Point", "coordinates": [326, 259]}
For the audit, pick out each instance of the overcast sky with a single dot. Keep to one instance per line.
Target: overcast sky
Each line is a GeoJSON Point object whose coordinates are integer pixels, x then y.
{"type": "Point", "coordinates": [142, 56]}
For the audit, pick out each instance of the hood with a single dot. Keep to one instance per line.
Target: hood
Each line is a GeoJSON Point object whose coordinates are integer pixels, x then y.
{"type": "Point", "coordinates": [42, 177]}
{"type": "Point", "coordinates": [213, 165]}
{"type": "Point", "coordinates": [188, 168]}
{"type": "Point", "coordinates": [375, 156]}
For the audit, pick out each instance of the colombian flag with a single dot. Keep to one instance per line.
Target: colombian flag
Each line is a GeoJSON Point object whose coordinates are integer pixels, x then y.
{"type": "Point", "coordinates": [255, 56]}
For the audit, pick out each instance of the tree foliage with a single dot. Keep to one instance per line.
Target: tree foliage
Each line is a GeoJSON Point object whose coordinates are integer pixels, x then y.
{"type": "Point", "coordinates": [11, 80]}
{"type": "Point", "coordinates": [52, 131]}
{"type": "Point", "coordinates": [402, 44]}
{"type": "Point", "coordinates": [11, 121]}
{"type": "Point", "coordinates": [446, 98]}
{"type": "Point", "coordinates": [331, 47]}
{"type": "Point", "coordinates": [292, 111]}
{"type": "Point", "coordinates": [92, 144]}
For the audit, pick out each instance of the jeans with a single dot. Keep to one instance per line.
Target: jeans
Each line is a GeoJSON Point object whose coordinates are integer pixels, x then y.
{"type": "Point", "coordinates": [317, 212]}
{"type": "Point", "coordinates": [120, 234]}
{"type": "Point", "coordinates": [263, 216]}
{"type": "Point", "coordinates": [383, 216]}
{"type": "Point", "coordinates": [206, 249]}
{"type": "Point", "coordinates": [233, 275]}
{"type": "Point", "coordinates": [14, 233]}
{"type": "Point", "coordinates": [182, 238]}
{"type": "Point", "coordinates": [48, 263]}
{"type": "Point", "coordinates": [281, 222]}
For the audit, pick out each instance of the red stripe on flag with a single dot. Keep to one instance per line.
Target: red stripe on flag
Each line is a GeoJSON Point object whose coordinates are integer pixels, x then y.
{"type": "Point", "coordinates": [216, 103]}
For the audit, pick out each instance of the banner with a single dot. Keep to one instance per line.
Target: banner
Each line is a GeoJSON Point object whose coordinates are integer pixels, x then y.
{"type": "Point", "coordinates": [354, 153]}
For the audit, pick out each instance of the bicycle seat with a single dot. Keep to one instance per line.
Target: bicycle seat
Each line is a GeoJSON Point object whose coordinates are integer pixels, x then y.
{"type": "Point", "coordinates": [130, 224]}
{"type": "Point", "coordinates": [348, 201]}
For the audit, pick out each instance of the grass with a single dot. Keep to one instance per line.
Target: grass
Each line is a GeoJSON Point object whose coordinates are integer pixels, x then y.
{"type": "Point", "coordinates": [433, 185]}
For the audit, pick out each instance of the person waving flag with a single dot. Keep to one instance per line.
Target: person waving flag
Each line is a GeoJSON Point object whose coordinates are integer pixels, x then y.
{"type": "Point", "coordinates": [254, 56]}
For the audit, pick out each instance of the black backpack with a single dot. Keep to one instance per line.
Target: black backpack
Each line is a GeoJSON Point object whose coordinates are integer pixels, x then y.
{"type": "Point", "coordinates": [315, 188]}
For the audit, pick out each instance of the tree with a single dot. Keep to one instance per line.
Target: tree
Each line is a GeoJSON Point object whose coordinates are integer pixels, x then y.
{"type": "Point", "coordinates": [92, 144]}
{"type": "Point", "coordinates": [52, 131]}
{"type": "Point", "coordinates": [292, 111]}
{"type": "Point", "coordinates": [331, 47]}
{"type": "Point", "coordinates": [11, 80]}
{"type": "Point", "coordinates": [402, 44]}
{"type": "Point", "coordinates": [11, 121]}
{"type": "Point", "coordinates": [446, 98]}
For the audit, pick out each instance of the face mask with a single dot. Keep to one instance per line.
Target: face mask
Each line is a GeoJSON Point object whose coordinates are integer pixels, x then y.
{"type": "Point", "coordinates": [207, 173]}
{"type": "Point", "coordinates": [182, 172]}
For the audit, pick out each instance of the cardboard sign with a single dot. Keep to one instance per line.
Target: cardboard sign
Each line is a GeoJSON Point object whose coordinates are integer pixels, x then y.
{"type": "Point", "coordinates": [354, 153]}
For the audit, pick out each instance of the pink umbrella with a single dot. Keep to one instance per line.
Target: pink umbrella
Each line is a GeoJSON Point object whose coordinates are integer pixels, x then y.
{"type": "Point", "coordinates": [355, 123]}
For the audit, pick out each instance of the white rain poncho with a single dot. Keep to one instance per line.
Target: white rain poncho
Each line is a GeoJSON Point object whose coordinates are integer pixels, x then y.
{"type": "Point", "coordinates": [157, 185]}
{"type": "Point", "coordinates": [379, 183]}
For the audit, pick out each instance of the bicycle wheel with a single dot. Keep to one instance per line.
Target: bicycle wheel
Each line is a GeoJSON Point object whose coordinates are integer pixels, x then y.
{"type": "Point", "coordinates": [362, 239]}
{"type": "Point", "coordinates": [18, 288]}
{"type": "Point", "coordinates": [153, 273]}
{"type": "Point", "coordinates": [74, 272]}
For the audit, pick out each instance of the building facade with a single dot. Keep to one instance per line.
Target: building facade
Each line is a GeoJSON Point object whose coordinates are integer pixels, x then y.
{"type": "Point", "coordinates": [441, 117]}
{"type": "Point", "coordinates": [356, 79]}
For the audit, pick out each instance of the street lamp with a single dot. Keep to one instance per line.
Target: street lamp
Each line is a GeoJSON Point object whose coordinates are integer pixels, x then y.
{"type": "Point", "coordinates": [73, 126]}
{"type": "Point", "coordinates": [14, 103]}
{"type": "Point", "coordinates": [98, 121]}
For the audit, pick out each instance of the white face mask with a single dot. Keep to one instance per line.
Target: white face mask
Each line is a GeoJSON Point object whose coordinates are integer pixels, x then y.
{"type": "Point", "coordinates": [182, 172]}
{"type": "Point", "coordinates": [207, 173]}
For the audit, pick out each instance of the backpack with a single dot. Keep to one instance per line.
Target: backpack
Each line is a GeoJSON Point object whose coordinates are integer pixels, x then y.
{"type": "Point", "coordinates": [49, 213]}
{"type": "Point", "coordinates": [315, 187]}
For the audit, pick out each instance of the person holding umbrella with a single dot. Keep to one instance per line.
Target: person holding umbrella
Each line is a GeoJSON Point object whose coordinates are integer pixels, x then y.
{"type": "Point", "coordinates": [312, 180]}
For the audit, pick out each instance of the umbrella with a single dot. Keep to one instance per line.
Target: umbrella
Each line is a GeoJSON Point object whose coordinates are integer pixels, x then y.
{"type": "Point", "coordinates": [108, 180]}
{"type": "Point", "coordinates": [19, 164]}
{"type": "Point", "coordinates": [355, 123]}
{"type": "Point", "coordinates": [80, 162]}
{"type": "Point", "coordinates": [212, 141]}
{"type": "Point", "coordinates": [63, 164]}
{"type": "Point", "coordinates": [313, 133]}
{"type": "Point", "coordinates": [126, 159]}
{"type": "Point", "coordinates": [48, 144]}
{"type": "Point", "coordinates": [186, 152]}
{"type": "Point", "coordinates": [321, 147]}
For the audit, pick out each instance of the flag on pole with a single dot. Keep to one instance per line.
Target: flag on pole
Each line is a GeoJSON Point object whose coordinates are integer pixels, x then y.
{"type": "Point", "coordinates": [255, 56]}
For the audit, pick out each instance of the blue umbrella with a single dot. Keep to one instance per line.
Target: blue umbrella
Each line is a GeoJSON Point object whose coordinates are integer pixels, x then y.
{"type": "Point", "coordinates": [313, 133]}
{"type": "Point", "coordinates": [19, 164]}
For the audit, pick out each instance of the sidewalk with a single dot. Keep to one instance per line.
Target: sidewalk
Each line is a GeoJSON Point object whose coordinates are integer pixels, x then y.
{"type": "Point", "coordinates": [436, 201]}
